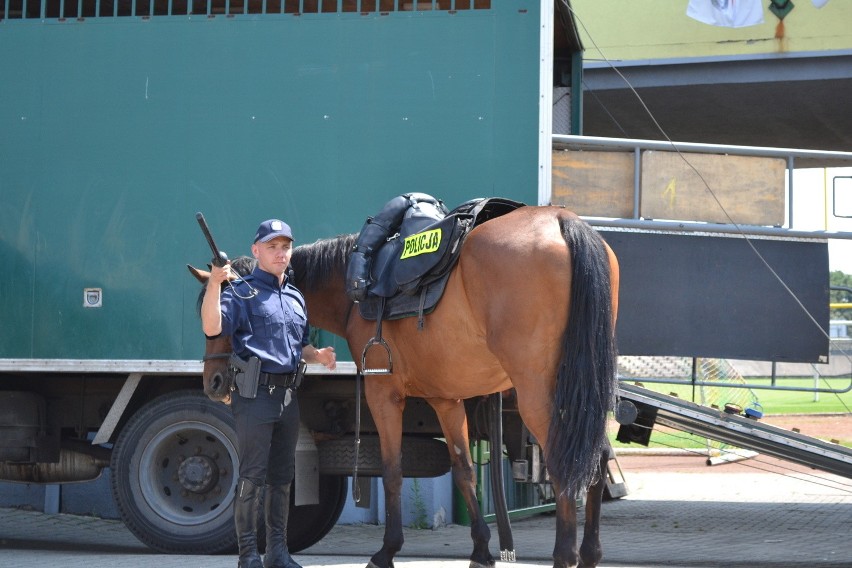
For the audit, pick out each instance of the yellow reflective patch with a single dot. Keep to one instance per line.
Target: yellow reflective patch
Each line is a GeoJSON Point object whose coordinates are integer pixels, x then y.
{"type": "Point", "coordinates": [421, 243]}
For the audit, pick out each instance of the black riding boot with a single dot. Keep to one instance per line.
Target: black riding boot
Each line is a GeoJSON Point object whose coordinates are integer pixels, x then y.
{"type": "Point", "coordinates": [277, 508]}
{"type": "Point", "coordinates": [245, 520]}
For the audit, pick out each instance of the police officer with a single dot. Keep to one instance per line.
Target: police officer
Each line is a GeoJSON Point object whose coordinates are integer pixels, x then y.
{"type": "Point", "coordinates": [271, 325]}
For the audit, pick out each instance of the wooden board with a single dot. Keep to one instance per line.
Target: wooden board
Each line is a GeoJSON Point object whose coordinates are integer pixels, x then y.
{"type": "Point", "coordinates": [597, 184]}
{"type": "Point", "coordinates": [750, 189]}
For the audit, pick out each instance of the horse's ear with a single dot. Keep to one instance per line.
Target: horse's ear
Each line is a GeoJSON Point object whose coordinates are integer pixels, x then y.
{"type": "Point", "coordinates": [201, 275]}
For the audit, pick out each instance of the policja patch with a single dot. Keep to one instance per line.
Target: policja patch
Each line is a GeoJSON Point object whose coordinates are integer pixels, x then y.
{"type": "Point", "coordinates": [421, 243]}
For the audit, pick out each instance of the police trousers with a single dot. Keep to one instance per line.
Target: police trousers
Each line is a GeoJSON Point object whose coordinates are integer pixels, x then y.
{"type": "Point", "coordinates": [267, 431]}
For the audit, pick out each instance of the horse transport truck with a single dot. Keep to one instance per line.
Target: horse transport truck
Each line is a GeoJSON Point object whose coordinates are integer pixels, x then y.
{"type": "Point", "coordinates": [120, 119]}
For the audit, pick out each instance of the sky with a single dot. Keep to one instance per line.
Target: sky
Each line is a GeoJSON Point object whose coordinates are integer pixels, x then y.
{"type": "Point", "coordinates": [814, 208]}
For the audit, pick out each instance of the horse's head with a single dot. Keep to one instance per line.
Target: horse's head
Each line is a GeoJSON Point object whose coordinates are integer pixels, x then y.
{"type": "Point", "coordinates": [217, 350]}
{"type": "Point", "coordinates": [215, 374]}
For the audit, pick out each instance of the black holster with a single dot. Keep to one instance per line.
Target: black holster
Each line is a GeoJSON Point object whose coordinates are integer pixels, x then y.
{"type": "Point", "coordinates": [300, 374]}
{"type": "Point", "coordinates": [246, 375]}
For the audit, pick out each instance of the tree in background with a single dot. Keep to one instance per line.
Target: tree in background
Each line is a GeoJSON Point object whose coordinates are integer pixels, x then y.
{"type": "Point", "coordinates": [840, 279]}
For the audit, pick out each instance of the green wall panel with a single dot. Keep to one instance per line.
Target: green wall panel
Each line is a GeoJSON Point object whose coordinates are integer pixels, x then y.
{"type": "Point", "coordinates": [115, 131]}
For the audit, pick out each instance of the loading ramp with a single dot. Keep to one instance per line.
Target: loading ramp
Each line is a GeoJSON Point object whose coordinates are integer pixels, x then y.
{"type": "Point", "coordinates": [657, 408]}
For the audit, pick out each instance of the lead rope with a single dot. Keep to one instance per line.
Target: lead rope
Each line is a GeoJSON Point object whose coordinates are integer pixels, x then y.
{"type": "Point", "coordinates": [356, 489]}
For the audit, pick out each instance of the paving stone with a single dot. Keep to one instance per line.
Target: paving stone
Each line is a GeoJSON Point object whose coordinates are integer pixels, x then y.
{"type": "Point", "coordinates": [667, 519]}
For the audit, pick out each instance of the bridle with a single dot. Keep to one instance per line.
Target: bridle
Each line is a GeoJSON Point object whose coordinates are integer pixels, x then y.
{"type": "Point", "coordinates": [215, 356]}
{"type": "Point", "coordinates": [217, 379]}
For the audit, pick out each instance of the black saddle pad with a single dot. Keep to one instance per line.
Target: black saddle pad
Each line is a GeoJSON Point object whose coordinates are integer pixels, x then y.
{"type": "Point", "coordinates": [404, 305]}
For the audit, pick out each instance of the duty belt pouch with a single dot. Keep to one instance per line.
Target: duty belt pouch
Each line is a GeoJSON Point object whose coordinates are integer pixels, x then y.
{"type": "Point", "coordinates": [246, 375]}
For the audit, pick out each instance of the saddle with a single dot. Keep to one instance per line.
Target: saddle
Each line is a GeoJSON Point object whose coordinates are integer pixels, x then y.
{"type": "Point", "coordinates": [403, 257]}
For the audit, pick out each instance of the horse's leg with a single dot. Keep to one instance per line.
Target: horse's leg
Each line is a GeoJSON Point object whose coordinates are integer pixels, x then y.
{"type": "Point", "coordinates": [451, 415]}
{"type": "Point", "coordinates": [590, 550]}
{"type": "Point", "coordinates": [535, 412]}
{"type": "Point", "coordinates": [565, 552]}
{"type": "Point", "coordinates": [386, 405]}
{"type": "Point", "coordinates": [565, 548]}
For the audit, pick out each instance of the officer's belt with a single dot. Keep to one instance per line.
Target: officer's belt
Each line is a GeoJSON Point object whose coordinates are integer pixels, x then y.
{"type": "Point", "coordinates": [277, 379]}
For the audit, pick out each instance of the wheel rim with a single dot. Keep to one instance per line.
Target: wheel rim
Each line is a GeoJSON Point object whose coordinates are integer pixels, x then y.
{"type": "Point", "coordinates": [187, 473]}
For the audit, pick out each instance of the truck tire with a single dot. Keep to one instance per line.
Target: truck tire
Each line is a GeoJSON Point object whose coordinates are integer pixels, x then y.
{"type": "Point", "coordinates": [174, 469]}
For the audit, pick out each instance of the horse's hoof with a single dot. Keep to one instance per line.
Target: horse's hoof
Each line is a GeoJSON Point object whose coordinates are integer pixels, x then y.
{"type": "Point", "coordinates": [372, 565]}
{"type": "Point", "coordinates": [474, 564]}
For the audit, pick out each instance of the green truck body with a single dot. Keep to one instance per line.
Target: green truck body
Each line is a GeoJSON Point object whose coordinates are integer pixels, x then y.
{"type": "Point", "coordinates": [116, 130]}
{"type": "Point", "coordinates": [120, 120]}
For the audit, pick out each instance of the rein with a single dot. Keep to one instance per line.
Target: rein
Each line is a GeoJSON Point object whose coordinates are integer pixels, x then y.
{"type": "Point", "coordinates": [356, 489]}
{"type": "Point", "coordinates": [252, 291]}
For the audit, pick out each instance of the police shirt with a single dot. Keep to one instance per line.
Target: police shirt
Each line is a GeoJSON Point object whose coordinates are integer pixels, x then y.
{"type": "Point", "coordinates": [273, 325]}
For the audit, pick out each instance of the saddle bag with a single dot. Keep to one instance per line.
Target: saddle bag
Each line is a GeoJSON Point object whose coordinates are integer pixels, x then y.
{"type": "Point", "coordinates": [380, 232]}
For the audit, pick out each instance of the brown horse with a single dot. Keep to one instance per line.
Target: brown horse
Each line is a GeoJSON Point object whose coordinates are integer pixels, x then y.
{"type": "Point", "coordinates": [531, 305]}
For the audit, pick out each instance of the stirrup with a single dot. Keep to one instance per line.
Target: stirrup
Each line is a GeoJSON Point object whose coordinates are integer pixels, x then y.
{"type": "Point", "coordinates": [372, 343]}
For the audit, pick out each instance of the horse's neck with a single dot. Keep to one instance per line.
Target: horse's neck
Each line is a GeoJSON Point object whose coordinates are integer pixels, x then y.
{"type": "Point", "coordinates": [328, 309]}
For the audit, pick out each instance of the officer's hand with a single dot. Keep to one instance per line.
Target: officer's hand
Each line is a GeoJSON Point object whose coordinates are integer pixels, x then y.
{"type": "Point", "coordinates": [327, 357]}
{"type": "Point", "coordinates": [219, 274]}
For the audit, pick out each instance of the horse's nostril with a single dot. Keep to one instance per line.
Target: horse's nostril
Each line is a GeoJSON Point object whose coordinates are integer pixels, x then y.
{"type": "Point", "coordinates": [216, 381]}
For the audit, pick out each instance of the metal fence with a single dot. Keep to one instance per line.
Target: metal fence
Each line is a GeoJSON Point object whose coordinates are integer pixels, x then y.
{"type": "Point", "coordinates": [78, 10]}
{"type": "Point", "coordinates": [793, 158]}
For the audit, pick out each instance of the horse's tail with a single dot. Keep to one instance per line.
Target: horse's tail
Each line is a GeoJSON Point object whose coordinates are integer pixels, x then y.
{"type": "Point", "coordinates": [586, 378]}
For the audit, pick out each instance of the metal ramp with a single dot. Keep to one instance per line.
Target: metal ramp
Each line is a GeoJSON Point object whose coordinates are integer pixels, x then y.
{"type": "Point", "coordinates": [656, 408]}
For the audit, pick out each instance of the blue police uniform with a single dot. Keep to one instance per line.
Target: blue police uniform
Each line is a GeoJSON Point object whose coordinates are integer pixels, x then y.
{"type": "Point", "coordinates": [273, 326]}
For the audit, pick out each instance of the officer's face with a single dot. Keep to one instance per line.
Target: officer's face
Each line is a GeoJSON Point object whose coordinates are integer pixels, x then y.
{"type": "Point", "coordinates": [273, 256]}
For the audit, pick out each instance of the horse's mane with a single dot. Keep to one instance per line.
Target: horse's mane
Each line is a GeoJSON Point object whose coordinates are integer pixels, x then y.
{"type": "Point", "coordinates": [242, 265]}
{"type": "Point", "coordinates": [316, 263]}
{"type": "Point", "coordinates": [312, 264]}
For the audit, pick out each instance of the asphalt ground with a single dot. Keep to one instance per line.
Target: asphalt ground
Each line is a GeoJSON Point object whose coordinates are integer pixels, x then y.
{"type": "Point", "coordinates": [678, 512]}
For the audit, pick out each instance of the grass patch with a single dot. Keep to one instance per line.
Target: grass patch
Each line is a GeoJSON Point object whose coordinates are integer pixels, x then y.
{"type": "Point", "coordinates": [779, 401]}
{"type": "Point", "coordinates": [799, 402]}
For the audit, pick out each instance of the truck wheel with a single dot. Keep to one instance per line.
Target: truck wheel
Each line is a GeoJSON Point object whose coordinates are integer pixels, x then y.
{"type": "Point", "coordinates": [309, 523]}
{"type": "Point", "coordinates": [174, 468]}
